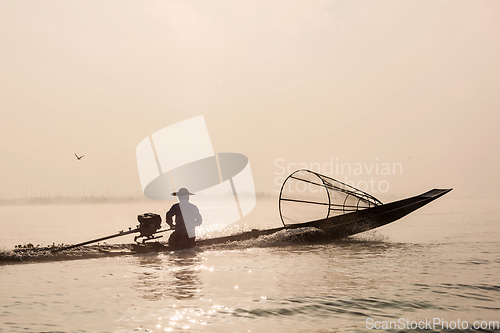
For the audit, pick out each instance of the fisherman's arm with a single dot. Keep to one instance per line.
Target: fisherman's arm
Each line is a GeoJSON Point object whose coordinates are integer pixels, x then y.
{"type": "Point", "coordinates": [168, 217]}
{"type": "Point", "coordinates": [198, 219]}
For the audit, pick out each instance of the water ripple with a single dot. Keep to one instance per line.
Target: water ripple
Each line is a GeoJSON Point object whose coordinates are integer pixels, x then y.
{"type": "Point", "coordinates": [326, 306]}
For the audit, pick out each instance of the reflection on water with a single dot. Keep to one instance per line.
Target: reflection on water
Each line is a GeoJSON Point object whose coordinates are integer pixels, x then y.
{"type": "Point", "coordinates": [185, 275]}
{"type": "Point", "coordinates": [151, 283]}
{"type": "Point", "coordinates": [176, 275]}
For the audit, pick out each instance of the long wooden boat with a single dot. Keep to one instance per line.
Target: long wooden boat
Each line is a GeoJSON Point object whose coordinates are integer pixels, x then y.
{"type": "Point", "coordinates": [335, 227]}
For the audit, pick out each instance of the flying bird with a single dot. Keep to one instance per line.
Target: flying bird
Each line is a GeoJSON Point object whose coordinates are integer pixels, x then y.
{"type": "Point", "coordinates": [79, 157]}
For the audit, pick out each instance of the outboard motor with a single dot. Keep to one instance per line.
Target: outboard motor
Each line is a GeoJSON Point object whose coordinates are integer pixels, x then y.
{"type": "Point", "coordinates": [149, 223]}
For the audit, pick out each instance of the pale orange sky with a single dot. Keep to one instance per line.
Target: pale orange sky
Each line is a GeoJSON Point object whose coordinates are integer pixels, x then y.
{"type": "Point", "coordinates": [410, 82]}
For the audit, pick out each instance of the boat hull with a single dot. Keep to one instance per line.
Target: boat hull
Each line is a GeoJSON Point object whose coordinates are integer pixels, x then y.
{"type": "Point", "coordinates": [349, 224]}
{"type": "Point", "coordinates": [341, 226]}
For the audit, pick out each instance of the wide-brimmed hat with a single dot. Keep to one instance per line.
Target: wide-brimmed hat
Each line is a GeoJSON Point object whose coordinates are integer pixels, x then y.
{"type": "Point", "coordinates": [182, 192]}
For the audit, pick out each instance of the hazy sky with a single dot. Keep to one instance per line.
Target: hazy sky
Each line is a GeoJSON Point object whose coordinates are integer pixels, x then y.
{"type": "Point", "coordinates": [409, 82]}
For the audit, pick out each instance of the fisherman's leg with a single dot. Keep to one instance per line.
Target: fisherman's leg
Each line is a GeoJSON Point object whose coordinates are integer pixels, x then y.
{"type": "Point", "coordinates": [178, 241]}
{"type": "Point", "coordinates": [184, 241]}
{"type": "Point", "coordinates": [173, 240]}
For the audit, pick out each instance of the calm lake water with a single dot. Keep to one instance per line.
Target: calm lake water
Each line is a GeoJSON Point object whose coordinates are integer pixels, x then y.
{"type": "Point", "coordinates": [441, 263]}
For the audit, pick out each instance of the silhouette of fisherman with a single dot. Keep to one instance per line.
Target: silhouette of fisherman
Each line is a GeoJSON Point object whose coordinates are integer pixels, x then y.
{"type": "Point", "coordinates": [187, 218]}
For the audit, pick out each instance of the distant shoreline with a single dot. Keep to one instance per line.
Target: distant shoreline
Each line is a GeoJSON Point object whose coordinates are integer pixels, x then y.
{"type": "Point", "coordinates": [69, 200]}
{"type": "Point", "coordinates": [63, 200]}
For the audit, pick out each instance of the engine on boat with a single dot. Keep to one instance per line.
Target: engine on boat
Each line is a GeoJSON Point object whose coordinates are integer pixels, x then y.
{"type": "Point", "coordinates": [149, 223]}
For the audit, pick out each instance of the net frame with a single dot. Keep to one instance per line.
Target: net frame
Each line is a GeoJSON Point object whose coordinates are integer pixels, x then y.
{"type": "Point", "coordinates": [362, 199]}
